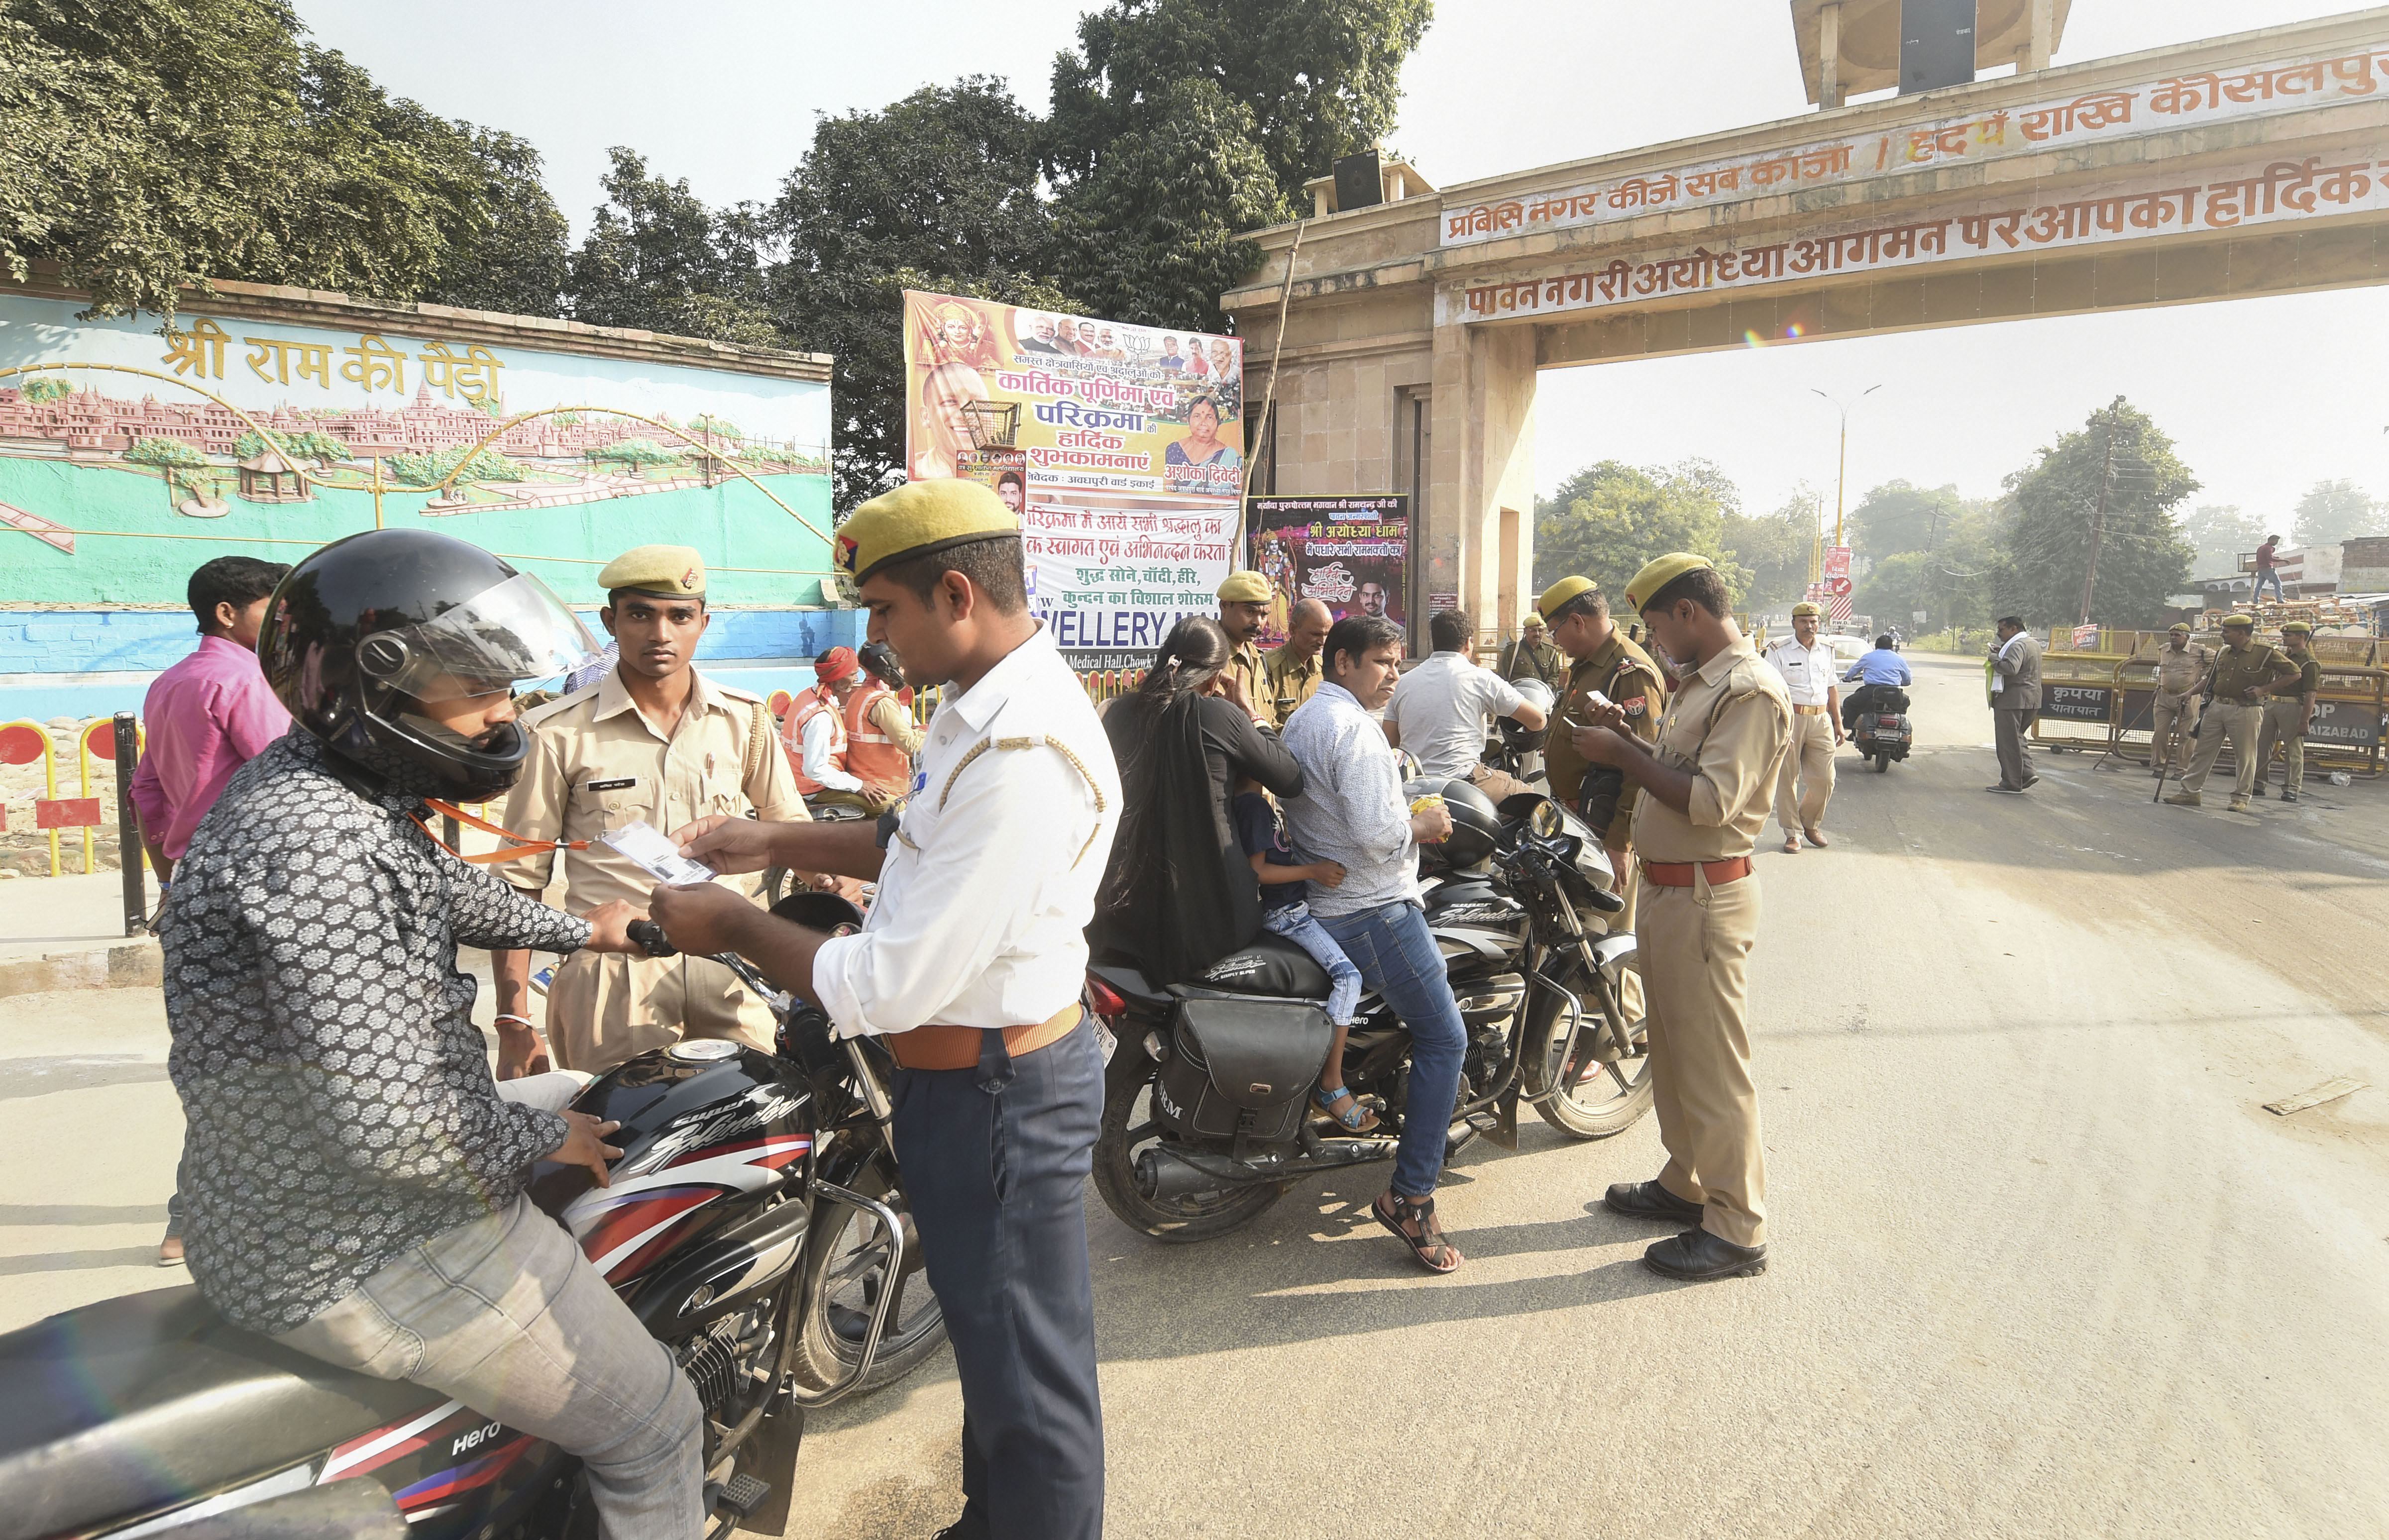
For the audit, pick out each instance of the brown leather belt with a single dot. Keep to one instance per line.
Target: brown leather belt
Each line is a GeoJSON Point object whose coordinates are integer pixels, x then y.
{"type": "Point", "coordinates": [1679, 873]}
{"type": "Point", "coordinates": [1810, 711]}
{"type": "Point", "coordinates": [958, 1047]}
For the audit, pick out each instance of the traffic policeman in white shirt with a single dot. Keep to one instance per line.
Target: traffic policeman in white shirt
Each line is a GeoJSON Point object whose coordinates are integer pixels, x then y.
{"type": "Point", "coordinates": [970, 966]}
{"type": "Point", "coordinates": [1805, 783]}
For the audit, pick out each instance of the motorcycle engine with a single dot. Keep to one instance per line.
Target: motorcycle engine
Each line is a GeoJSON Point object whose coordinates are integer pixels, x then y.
{"type": "Point", "coordinates": [730, 1359]}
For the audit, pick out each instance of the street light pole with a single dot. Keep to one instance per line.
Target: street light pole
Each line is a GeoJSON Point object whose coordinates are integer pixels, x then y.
{"type": "Point", "coordinates": [1841, 479]}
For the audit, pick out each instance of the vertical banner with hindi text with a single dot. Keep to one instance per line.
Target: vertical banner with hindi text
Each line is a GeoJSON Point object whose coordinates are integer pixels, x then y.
{"type": "Point", "coordinates": [1350, 554]}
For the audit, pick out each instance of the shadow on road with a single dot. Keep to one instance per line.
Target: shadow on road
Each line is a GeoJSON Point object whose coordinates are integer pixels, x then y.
{"type": "Point", "coordinates": [68, 1262]}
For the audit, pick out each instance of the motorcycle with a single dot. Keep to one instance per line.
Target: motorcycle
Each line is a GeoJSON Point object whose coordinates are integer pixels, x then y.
{"type": "Point", "coordinates": [1206, 1112]}
{"type": "Point", "coordinates": [1515, 748]}
{"type": "Point", "coordinates": [1882, 731]}
{"type": "Point", "coordinates": [754, 1222]}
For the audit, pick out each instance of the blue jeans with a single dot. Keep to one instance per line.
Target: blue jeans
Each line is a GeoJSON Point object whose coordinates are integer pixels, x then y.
{"type": "Point", "coordinates": [1395, 952]}
{"type": "Point", "coordinates": [1297, 924]}
{"type": "Point", "coordinates": [2267, 575]}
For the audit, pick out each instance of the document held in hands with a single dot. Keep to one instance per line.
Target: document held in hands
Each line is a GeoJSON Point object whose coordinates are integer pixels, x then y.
{"type": "Point", "coordinates": [656, 855]}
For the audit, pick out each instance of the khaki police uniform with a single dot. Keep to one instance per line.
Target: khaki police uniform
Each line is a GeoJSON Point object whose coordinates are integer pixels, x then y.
{"type": "Point", "coordinates": [1625, 674]}
{"type": "Point", "coordinates": [596, 764]}
{"type": "Point", "coordinates": [2285, 722]}
{"type": "Point", "coordinates": [1534, 657]}
{"type": "Point", "coordinates": [1288, 681]}
{"type": "Point", "coordinates": [2232, 719]}
{"type": "Point", "coordinates": [1728, 725]}
{"type": "Point", "coordinates": [1244, 665]}
{"type": "Point", "coordinates": [2172, 711]}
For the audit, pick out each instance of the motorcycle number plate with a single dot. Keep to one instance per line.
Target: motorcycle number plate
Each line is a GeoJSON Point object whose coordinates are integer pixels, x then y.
{"type": "Point", "coordinates": [1104, 1041]}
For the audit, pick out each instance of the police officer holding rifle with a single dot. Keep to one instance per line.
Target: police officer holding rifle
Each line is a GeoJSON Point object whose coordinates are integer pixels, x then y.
{"type": "Point", "coordinates": [970, 968]}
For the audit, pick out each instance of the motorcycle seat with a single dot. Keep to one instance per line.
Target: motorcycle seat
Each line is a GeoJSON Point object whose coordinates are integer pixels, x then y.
{"type": "Point", "coordinates": [1265, 965]}
{"type": "Point", "coordinates": [133, 1405]}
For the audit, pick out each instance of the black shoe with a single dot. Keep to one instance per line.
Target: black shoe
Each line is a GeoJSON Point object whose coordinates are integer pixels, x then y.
{"type": "Point", "coordinates": [1650, 1201]}
{"type": "Point", "coordinates": [2003, 786]}
{"type": "Point", "coordinates": [1696, 1256]}
{"type": "Point", "coordinates": [2288, 795]}
{"type": "Point", "coordinates": [2032, 783]}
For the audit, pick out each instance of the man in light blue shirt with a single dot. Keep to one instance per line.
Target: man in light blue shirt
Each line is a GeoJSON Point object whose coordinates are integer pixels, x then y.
{"type": "Point", "coordinates": [1882, 675]}
{"type": "Point", "coordinates": [1352, 811]}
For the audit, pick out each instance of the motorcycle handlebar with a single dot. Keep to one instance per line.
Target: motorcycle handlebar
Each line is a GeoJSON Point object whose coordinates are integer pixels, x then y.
{"type": "Point", "coordinates": [650, 936]}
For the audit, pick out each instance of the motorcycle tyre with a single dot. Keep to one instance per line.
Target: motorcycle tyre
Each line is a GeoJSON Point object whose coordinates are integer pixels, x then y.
{"type": "Point", "coordinates": [1559, 1111]}
{"type": "Point", "coordinates": [1124, 1079]}
{"type": "Point", "coordinates": [1881, 763]}
{"type": "Point", "coordinates": [817, 1360]}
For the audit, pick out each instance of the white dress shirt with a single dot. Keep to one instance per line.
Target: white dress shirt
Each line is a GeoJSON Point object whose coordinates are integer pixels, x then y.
{"type": "Point", "coordinates": [988, 887]}
{"type": "Point", "coordinates": [1440, 707]}
{"type": "Point", "coordinates": [817, 742]}
{"type": "Point", "coordinates": [1808, 672]}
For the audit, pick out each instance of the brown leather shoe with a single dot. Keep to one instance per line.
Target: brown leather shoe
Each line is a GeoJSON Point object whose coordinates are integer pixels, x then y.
{"type": "Point", "coordinates": [1816, 838]}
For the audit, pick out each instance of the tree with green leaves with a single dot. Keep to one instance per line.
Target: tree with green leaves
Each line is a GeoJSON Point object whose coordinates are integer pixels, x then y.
{"type": "Point", "coordinates": [657, 258]}
{"type": "Point", "coordinates": [937, 192]}
{"type": "Point", "coordinates": [1608, 520]}
{"type": "Point", "coordinates": [2336, 511]}
{"type": "Point", "coordinates": [1775, 548]}
{"type": "Point", "coordinates": [43, 387]}
{"type": "Point", "coordinates": [2101, 496]}
{"type": "Point", "coordinates": [149, 147]}
{"type": "Point", "coordinates": [633, 454]}
{"type": "Point", "coordinates": [431, 469]}
{"type": "Point", "coordinates": [1899, 516]}
{"type": "Point", "coordinates": [313, 444]}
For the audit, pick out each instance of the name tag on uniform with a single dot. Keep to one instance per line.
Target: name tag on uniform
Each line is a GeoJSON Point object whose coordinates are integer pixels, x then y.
{"type": "Point", "coordinates": [622, 784]}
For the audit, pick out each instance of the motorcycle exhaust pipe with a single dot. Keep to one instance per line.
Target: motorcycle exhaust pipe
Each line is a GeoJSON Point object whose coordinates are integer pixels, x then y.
{"type": "Point", "coordinates": [1162, 1178]}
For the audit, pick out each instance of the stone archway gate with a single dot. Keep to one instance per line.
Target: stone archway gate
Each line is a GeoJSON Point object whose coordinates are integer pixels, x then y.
{"type": "Point", "coordinates": [2252, 164]}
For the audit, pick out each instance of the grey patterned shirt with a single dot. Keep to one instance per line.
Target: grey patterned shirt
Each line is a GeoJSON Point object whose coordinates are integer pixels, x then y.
{"type": "Point", "coordinates": [338, 1098]}
{"type": "Point", "coordinates": [1352, 808]}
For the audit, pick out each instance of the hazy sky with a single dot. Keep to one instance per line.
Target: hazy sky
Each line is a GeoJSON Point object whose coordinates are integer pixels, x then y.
{"type": "Point", "coordinates": [2265, 397]}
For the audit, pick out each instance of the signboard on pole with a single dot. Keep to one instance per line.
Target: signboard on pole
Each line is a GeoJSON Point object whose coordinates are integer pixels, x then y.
{"type": "Point", "coordinates": [1097, 405]}
{"type": "Point", "coordinates": [1350, 554]}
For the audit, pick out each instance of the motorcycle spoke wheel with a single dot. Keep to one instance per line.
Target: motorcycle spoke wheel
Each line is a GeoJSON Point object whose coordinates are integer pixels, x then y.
{"type": "Point", "coordinates": [1604, 1097]}
{"type": "Point", "coordinates": [842, 1288]}
{"type": "Point", "coordinates": [1130, 1128]}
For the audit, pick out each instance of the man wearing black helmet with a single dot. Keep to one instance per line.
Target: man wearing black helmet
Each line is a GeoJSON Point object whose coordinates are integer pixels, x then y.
{"type": "Point", "coordinates": [354, 1176]}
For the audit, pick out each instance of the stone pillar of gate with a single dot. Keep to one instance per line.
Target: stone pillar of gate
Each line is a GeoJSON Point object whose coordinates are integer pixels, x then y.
{"type": "Point", "coordinates": [1478, 533]}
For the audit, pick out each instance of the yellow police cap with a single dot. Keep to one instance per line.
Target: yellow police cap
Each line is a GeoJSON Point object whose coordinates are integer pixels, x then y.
{"type": "Point", "coordinates": [917, 518]}
{"type": "Point", "coordinates": [2181, 626]}
{"type": "Point", "coordinates": [1561, 592]}
{"type": "Point", "coordinates": [2297, 628]}
{"type": "Point", "coordinates": [671, 570]}
{"type": "Point", "coordinates": [1803, 608]}
{"type": "Point", "coordinates": [1244, 588]}
{"type": "Point", "coordinates": [2248, 620]}
{"type": "Point", "coordinates": [1533, 622]}
{"type": "Point", "coordinates": [1659, 574]}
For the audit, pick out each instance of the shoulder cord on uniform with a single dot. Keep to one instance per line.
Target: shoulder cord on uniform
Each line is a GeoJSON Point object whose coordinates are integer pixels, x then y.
{"type": "Point", "coordinates": [1050, 742]}
{"type": "Point", "coordinates": [758, 739]}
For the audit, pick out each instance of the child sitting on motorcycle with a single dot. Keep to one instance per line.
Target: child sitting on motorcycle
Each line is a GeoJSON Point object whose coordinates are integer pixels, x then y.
{"type": "Point", "coordinates": [1286, 913]}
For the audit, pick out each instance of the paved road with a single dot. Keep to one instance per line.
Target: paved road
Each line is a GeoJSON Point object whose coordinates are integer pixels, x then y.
{"type": "Point", "coordinates": [2042, 1264]}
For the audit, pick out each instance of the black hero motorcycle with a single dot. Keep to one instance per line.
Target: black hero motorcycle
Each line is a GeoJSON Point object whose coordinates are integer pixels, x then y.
{"type": "Point", "coordinates": [1207, 1112]}
{"type": "Point", "coordinates": [754, 1222]}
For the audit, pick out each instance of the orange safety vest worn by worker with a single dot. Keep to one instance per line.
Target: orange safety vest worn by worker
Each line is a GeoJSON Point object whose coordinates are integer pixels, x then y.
{"type": "Point", "coordinates": [811, 703]}
{"type": "Point", "coordinates": [871, 756]}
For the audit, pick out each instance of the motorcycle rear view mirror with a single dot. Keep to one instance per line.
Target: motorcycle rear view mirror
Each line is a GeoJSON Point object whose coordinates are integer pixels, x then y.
{"type": "Point", "coordinates": [1547, 821]}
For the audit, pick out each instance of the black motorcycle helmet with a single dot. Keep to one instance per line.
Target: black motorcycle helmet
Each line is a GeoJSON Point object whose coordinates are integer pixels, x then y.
{"type": "Point", "coordinates": [878, 659]}
{"type": "Point", "coordinates": [367, 630]}
{"type": "Point", "coordinates": [1475, 825]}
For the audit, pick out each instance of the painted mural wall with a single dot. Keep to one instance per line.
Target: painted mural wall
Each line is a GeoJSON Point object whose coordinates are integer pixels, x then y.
{"type": "Point", "coordinates": [237, 434]}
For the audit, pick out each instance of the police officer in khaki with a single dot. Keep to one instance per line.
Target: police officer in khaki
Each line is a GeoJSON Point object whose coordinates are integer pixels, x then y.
{"type": "Point", "coordinates": [2173, 710]}
{"type": "Point", "coordinates": [652, 741]}
{"type": "Point", "coordinates": [1706, 784]}
{"type": "Point", "coordinates": [2234, 711]}
{"type": "Point", "coordinates": [1290, 674]}
{"type": "Point", "coordinates": [1243, 606]}
{"type": "Point", "coordinates": [1601, 660]}
{"type": "Point", "coordinates": [2289, 707]}
{"type": "Point", "coordinates": [1533, 655]}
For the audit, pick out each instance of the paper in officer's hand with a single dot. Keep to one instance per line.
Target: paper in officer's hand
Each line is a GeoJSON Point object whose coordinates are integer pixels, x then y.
{"type": "Point", "coordinates": [659, 857]}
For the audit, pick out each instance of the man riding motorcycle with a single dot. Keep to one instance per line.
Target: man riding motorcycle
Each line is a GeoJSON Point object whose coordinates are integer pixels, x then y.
{"type": "Point", "coordinates": [1886, 674]}
{"type": "Point", "coordinates": [355, 1176]}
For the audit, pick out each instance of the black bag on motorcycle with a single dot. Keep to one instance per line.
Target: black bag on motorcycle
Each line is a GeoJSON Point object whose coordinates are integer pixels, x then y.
{"type": "Point", "coordinates": [1241, 1067]}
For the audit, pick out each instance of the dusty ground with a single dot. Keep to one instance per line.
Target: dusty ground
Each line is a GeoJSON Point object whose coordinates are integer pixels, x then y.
{"type": "Point", "coordinates": [2042, 1265]}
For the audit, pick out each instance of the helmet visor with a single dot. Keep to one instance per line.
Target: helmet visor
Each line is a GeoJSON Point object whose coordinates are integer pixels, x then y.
{"type": "Point", "coordinates": [514, 631]}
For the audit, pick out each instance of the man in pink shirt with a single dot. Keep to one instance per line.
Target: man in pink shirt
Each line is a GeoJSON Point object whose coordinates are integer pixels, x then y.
{"type": "Point", "coordinates": [204, 718]}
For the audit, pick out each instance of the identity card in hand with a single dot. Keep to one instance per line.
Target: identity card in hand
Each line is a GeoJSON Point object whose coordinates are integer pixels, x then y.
{"type": "Point", "coordinates": [660, 858]}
